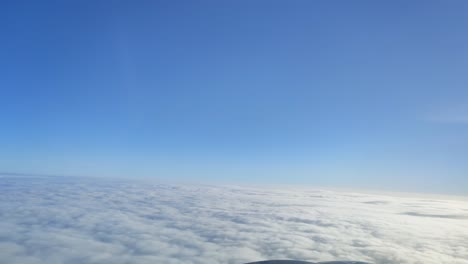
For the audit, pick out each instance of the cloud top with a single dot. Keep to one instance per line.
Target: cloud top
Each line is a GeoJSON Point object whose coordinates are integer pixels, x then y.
{"type": "Point", "coordinates": [60, 220]}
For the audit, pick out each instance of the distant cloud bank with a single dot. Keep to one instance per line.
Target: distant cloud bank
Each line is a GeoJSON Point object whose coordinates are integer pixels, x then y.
{"type": "Point", "coordinates": [58, 220]}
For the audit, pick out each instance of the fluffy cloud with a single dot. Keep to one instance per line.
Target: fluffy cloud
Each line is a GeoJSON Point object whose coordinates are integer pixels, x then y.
{"type": "Point", "coordinates": [70, 220]}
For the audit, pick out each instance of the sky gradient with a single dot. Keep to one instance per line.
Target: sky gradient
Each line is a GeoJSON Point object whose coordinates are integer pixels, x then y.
{"type": "Point", "coordinates": [340, 93]}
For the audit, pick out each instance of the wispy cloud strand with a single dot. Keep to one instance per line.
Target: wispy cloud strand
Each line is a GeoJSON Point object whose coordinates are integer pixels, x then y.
{"type": "Point", "coordinates": [451, 115]}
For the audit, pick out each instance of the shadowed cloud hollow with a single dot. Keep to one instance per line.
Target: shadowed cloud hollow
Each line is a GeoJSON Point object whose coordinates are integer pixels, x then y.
{"type": "Point", "coordinates": [64, 220]}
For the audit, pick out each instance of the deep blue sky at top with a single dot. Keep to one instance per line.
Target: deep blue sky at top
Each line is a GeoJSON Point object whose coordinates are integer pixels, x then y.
{"type": "Point", "coordinates": [341, 93]}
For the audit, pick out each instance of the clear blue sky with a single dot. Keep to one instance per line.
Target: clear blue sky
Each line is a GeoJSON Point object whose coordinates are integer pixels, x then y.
{"type": "Point", "coordinates": [370, 94]}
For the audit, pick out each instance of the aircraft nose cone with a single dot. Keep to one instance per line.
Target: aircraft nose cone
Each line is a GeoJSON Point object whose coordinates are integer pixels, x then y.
{"type": "Point", "coordinates": [304, 262]}
{"type": "Point", "coordinates": [281, 262]}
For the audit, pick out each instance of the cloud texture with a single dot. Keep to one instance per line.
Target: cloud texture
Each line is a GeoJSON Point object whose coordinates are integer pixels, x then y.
{"type": "Point", "coordinates": [64, 220]}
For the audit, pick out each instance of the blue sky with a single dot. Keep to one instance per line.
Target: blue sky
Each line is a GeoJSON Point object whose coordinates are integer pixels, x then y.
{"type": "Point", "coordinates": [370, 94]}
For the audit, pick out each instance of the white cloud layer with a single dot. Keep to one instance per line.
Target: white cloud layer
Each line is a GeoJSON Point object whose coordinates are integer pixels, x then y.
{"type": "Point", "coordinates": [59, 220]}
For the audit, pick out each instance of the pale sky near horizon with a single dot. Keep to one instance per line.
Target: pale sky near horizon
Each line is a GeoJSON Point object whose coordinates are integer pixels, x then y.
{"type": "Point", "coordinates": [369, 94]}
